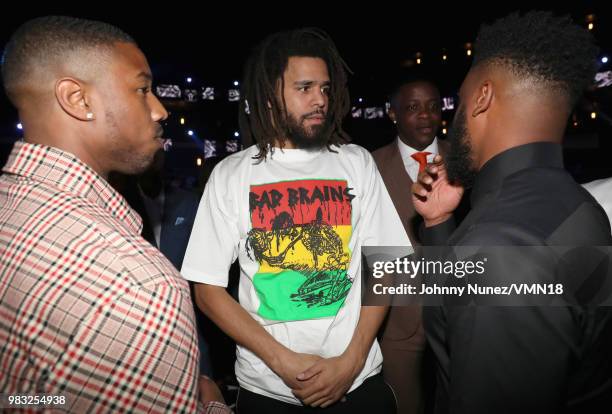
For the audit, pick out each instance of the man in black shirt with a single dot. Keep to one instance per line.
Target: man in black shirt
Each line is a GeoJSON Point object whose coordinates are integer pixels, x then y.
{"type": "Point", "coordinates": [527, 74]}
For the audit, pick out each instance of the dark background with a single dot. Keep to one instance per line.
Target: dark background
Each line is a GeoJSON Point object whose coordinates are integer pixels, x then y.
{"type": "Point", "coordinates": [376, 40]}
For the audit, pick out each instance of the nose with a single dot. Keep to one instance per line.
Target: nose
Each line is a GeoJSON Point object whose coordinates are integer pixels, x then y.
{"type": "Point", "coordinates": [158, 112]}
{"type": "Point", "coordinates": [319, 98]}
{"type": "Point", "coordinates": [425, 113]}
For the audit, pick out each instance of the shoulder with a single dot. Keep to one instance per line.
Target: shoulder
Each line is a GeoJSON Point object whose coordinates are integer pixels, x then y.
{"type": "Point", "coordinates": [541, 206]}
{"type": "Point", "coordinates": [355, 153]}
{"type": "Point", "coordinates": [229, 171]}
{"type": "Point", "coordinates": [237, 160]}
{"type": "Point", "coordinates": [384, 152]}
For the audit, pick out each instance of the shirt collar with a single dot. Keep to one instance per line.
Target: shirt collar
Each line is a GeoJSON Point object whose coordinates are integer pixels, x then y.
{"type": "Point", "coordinates": [406, 151]}
{"type": "Point", "coordinates": [513, 160]}
{"type": "Point", "coordinates": [63, 170]}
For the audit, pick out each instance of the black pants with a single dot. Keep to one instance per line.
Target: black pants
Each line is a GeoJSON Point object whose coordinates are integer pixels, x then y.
{"type": "Point", "coordinates": [373, 396]}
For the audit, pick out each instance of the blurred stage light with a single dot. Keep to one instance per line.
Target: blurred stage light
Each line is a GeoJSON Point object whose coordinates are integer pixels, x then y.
{"type": "Point", "coordinates": [168, 91]}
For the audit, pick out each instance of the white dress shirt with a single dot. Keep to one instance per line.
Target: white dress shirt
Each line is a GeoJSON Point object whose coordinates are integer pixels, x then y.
{"type": "Point", "coordinates": [412, 165]}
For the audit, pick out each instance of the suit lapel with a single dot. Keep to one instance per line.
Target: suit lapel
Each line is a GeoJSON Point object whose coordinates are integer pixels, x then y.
{"type": "Point", "coordinates": [399, 184]}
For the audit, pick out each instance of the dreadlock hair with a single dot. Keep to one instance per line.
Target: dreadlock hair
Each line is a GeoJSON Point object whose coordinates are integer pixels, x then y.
{"type": "Point", "coordinates": [40, 45]}
{"type": "Point", "coordinates": [553, 51]}
{"type": "Point", "coordinates": [262, 118]}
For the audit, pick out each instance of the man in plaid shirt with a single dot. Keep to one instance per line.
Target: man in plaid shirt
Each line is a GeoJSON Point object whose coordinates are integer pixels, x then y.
{"type": "Point", "coordinates": [88, 309]}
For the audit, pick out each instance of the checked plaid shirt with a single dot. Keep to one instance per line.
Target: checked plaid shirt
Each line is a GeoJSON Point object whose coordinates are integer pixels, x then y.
{"type": "Point", "coordinates": [88, 309]}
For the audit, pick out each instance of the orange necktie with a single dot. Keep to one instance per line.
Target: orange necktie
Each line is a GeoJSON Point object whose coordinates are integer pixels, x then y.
{"type": "Point", "coordinates": [421, 158]}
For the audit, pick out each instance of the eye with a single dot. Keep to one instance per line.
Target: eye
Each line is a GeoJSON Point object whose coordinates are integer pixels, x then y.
{"type": "Point", "coordinates": [435, 106]}
{"type": "Point", "coordinates": [325, 90]}
{"type": "Point", "coordinates": [144, 90]}
{"type": "Point", "coordinates": [304, 88]}
{"type": "Point", "coordinates": [413, 108]}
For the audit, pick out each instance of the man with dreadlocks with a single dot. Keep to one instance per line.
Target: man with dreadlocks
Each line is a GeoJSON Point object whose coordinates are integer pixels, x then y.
{"type": "Point", "coordinates": [528, 72]}
{"type": "Point", "coordinates": [295, 209]}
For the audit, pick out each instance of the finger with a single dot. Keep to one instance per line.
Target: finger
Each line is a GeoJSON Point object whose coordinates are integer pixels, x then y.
{"type": "Point", "coordinates": [419, 190]}
{"type": "Point", "coordinates": [441, 172]}
{"type": "Point", "coordinates": [420, 198]}
{"type": "Point", "coordinates": [425, 178]}
{"type": "Point", "coordinates": [300, 394]}
{"type": "Point", "coordinates": [316, 399]}
{"type": "Point", "coordinates": [440, 168]}
{"type": "Point", "coordinates": [433, 169]}
{"type": "Point", "coordinates": [307, 391]}
{"type": "Point", "coordinates": [329, 402]}
{"type": "Point", "coordinates": [326, 399]}
{"type": "Point", "coordinates": [310, 372]}
{"type": "Point", "coordinates": [319, 403]}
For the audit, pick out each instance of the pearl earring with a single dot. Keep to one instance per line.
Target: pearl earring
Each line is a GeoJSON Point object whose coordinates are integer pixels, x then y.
{"type": "Point", "coordinates": [89, 115]}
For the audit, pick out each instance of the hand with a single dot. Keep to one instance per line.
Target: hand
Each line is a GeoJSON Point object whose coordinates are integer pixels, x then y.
{"type": "Point", "coordinates": [433, 197]}
{"type": "Point", "coordinates": [327, 381]}
{"type": "Point", "coordinates": [290, 364]}
{"type": "Point", "coordinates": [209, 391]}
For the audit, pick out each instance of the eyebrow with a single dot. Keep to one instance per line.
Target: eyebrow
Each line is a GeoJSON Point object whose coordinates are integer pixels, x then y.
{"type": "Point", "coordinates": [145, 75]}
{"type": "Point", "coordinates": [310, 83]}
{"type": "Point", "coordinates": [409, 101]}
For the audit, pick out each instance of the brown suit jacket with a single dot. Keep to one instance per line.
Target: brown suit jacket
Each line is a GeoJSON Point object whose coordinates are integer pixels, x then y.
{"type": "Point", "coordinates": [398, 183]}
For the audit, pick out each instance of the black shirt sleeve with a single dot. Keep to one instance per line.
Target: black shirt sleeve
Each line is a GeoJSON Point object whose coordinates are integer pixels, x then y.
{"type": "Point", "coordinates": [437, 235]}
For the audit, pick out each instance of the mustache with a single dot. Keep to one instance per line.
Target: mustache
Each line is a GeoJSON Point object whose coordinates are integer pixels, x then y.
{"type": "Point", "coordinates": [317, 113]}
{"type": "Point", "coordinates": [159, 131]}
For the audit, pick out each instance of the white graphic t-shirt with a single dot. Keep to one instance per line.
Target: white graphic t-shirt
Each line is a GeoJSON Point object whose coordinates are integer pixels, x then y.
{"type": "Point", "coordinates": [296, 222]}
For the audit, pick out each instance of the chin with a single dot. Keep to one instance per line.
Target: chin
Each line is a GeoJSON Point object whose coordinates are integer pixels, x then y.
{"type": "Point", "coordinates": [427, 139]}
{"type": "Point", "coordinates": [422, 141]}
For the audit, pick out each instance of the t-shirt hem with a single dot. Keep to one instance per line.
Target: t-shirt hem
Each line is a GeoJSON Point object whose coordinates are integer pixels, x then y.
{"type": "Point", "coordinates": [295, 401]}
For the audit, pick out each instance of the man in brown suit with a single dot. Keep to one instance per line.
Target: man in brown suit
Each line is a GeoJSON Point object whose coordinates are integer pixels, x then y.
{"type": "Point", "coordinates": [416, 112]}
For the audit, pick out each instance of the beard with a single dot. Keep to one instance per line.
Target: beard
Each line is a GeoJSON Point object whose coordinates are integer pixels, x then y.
{"type": "Point", "coordinates": [459, 164]}
{"type": "Point", "coordinates": [304, 137]}
{"type": "Point", "coordinates": [128, 159]}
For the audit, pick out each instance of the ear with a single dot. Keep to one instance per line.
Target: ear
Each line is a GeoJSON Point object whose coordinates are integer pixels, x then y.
{"type": "Point", "coordinates": [484, 98]}
{"type": "Point", "coordinates": [72, 96]}
{"type": "Point", "coordinates": [392, 116]}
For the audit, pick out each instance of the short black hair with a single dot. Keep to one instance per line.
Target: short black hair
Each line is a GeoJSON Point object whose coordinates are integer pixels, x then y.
{"type": "Point", "coordinates": [49, 40]}
{"type": "Point", "coordinates": [406, 77]}
{"type": "Point", "coordinates": [264, 73]}
{"type": "Point", "coordinates": [552, 50]}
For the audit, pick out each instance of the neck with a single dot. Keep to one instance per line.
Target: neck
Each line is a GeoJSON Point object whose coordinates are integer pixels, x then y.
{"type": "Point", "coordinates": [509, 139]}
{"type": "Point", "coordinates": [413, 144]}
{"type": "Point", "coordinates": [516, 123]}
{"type": "Point", "coordinates": [286, 144]}
{"type": "Point", "coordinates": [46, 123]}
